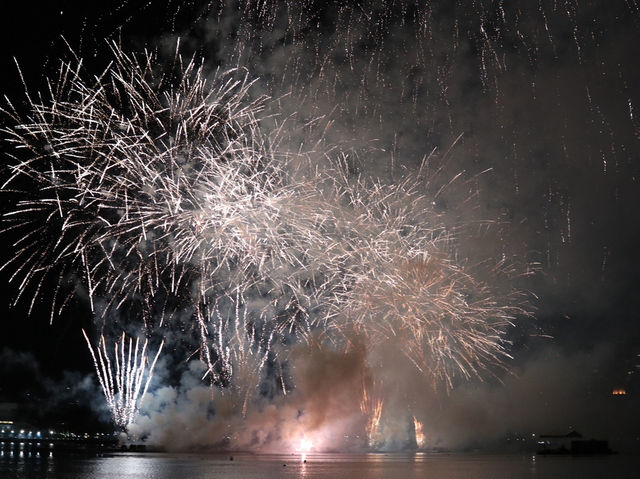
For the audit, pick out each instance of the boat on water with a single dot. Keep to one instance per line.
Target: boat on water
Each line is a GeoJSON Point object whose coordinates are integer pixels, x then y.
{"type": "Point", "coordinates": [572, 444]}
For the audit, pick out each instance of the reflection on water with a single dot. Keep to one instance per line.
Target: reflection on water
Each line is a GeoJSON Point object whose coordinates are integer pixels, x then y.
{"type": "Point", "coordinates": [25, 464]}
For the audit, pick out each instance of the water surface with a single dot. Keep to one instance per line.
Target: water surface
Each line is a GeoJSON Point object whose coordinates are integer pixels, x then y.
{"type": "Point", "coordinates": [26, 465]}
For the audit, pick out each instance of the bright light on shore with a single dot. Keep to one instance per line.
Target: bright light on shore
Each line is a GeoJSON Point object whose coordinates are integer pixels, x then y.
{"type": "Point", "coordinates": [306, 444]}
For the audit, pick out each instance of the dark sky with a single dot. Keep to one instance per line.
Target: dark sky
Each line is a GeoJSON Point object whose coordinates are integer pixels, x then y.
{"type": "Point", "coordinates": [547, 97]}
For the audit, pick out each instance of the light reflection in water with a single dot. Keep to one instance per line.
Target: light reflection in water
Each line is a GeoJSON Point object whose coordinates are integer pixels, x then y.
{"type": "Point", "coordinates": [317, 466]}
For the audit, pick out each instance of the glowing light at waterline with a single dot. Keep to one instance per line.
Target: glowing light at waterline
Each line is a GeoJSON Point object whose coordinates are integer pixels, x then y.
{"type": "Point", "coordinates": [419, 429]}
{"type": "Point", "coordinates": [371, 407]}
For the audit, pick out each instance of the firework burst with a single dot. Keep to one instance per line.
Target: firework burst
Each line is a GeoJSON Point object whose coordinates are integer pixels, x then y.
{"type": "Point", "coordinates": [160, 189]}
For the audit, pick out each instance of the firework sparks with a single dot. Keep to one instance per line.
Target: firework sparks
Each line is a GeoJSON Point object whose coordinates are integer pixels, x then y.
{"type": "Point", "coordinates": [122, 375]}
{"type": "Point", "coordinates": [162, 191]}
{"type": "Point", "coordinates": [371, 408]}
{"type": "Point", "coordinates": [241, 351]}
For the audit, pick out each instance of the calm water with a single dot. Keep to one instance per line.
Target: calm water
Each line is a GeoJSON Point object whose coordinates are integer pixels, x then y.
{"type": "Point", "coordinates": [334, 466]}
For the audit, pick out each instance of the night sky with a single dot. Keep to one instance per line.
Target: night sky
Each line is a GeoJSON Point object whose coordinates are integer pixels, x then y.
{"type": "Point", "coordinates": [546, 96]}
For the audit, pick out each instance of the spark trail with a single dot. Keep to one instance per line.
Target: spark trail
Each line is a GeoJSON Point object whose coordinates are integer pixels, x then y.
{"type": "Point", "coordinates": [122, 375]}
{"type": "Point", "coordinates": [371, 406]}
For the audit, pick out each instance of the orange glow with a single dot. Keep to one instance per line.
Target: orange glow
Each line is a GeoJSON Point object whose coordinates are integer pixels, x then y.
{"type": "Point", "coordinates": [619, 392]}
{"type": "Point", "coordinates": [371, 406]}
{"type": "Point", "coordinates": [419, 432]}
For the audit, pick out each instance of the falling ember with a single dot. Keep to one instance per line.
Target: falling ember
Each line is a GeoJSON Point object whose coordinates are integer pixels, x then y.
{"type": "Point", "coordinates": [419, 429]}
{"type": "Point", "coordinates": [371, 407]}
{"type": "Point", "coordinates": [123, 387]}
